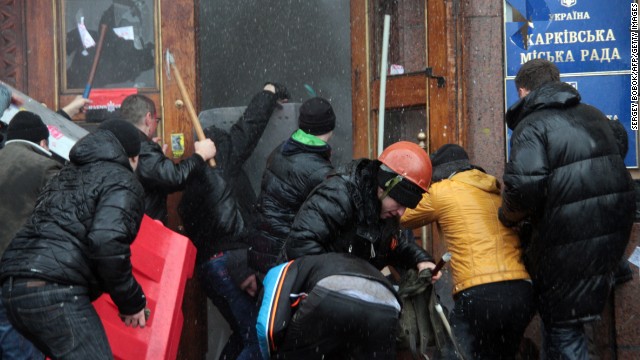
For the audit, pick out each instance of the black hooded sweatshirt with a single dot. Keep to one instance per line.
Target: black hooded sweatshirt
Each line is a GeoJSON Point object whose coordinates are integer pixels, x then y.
{"type": "Point", "coordinates": [85, 219]}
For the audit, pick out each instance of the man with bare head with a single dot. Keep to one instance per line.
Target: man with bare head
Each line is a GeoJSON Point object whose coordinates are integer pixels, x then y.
{"type": "Point", "coordinates": [158, 174]}
{"type": "Point", "coordinates": [569, 193]}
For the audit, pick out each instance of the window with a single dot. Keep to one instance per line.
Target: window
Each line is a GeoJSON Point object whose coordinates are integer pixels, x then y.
{"type": "Point", "coordinates": [128, 54]}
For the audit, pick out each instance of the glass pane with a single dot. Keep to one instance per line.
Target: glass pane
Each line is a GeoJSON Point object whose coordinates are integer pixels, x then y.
{"type": "Point", "coordinates": [404, 124]}
{"type": "Point", "coordinates": [128, 53]}
{"type": "Point", "coordinates": [407, 39]}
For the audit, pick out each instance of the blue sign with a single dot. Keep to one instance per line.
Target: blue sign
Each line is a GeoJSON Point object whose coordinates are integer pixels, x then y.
{"type": "Point", "coordinates": [589, 41]}
{"type": "Point", "coordinates": [577, 35]}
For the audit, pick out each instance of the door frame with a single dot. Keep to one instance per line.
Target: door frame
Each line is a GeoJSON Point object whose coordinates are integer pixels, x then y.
{"type": "Point", "coordinates": [444, 57]}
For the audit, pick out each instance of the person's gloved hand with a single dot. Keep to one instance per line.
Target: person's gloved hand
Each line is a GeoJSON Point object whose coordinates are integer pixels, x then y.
{"type": "Point", "coordinates": [280, 90]}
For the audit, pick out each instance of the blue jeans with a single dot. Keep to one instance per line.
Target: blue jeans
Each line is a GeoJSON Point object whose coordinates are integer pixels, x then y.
{"type": "Point", "coordinates": [238, 308]}
{"type": "Point", "coordinates": [13, 346]}
{"type": "Point", "coordinates": [488, 321]}
{"type": "Point", "coordinates": [58, 319]}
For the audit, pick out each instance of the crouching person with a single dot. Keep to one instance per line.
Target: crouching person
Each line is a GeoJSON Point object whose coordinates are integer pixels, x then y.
{"type": "Point", "coordinates": [357, 209]}
{"type": "Point", "coordinates": [75, 246]}
{"type": "Point", "coordinates": [329, 306]}
{"type": "Point", "coordinates": [217, 209]}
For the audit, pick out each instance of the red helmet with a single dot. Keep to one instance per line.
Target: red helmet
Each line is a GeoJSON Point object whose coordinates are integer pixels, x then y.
{"type": "Point", "coordinates": [410, 161]}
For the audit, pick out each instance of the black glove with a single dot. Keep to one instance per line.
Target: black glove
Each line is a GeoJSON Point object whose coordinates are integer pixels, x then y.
{"type": "Point", "coordinates": [281, 91]}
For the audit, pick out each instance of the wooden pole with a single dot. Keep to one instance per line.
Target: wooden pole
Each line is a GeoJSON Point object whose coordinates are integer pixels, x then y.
{"type": "Point", "coordinates": [96, 59]}
{"type": "Point", "coordinates": [192, 112]}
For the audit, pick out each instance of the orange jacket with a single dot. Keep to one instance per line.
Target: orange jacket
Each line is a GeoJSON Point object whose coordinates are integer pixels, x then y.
{"type": "Point", "coordinates": [465, 207]}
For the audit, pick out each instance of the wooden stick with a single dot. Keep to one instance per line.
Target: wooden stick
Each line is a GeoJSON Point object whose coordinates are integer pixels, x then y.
{"type": "Point", "coordinates": [445, 259]}
{"type": "Point", "coordinates": [96, 58]}
{"type": "Point", "coordinates": [192, 112]}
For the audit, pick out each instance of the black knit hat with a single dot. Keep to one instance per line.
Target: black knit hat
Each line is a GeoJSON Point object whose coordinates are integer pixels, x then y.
{"type": "Point", "coordinates": [26, 125]}
{"type": "Point", "coordinates": [449, 159]}
{"type": "Point", "coordinates": [127, 134]}
{"type": "Point", "coordinates": [316, 116]}
{"type": "Point", "coordinates": [404, 192]}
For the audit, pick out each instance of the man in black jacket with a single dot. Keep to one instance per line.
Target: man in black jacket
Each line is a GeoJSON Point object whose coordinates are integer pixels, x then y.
{"type": "Point", "coordinates": [567, 185]}
{"type": "Point", "coordinates": [158, 174]}
{"type": "Point", "coordinates": [75, 246]}
{"type": "Point", "coordinates": [357, 209]}
{"type": "Point", "coordinates": [293, 169]}
{"type": "Point", "coordinates": [217, 208]}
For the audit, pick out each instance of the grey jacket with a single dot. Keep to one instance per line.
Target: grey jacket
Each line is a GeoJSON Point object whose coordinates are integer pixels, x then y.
{"type": "Point", "coordinates": [25, 169]}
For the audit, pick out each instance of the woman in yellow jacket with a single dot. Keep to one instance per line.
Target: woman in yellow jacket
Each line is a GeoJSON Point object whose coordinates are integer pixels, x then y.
{"type": "Point", "coordinates": [492, 290]}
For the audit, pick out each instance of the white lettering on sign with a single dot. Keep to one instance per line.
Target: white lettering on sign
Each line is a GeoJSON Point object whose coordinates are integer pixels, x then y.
{"type": "Point", "coordinates": [574, 15]}
{"type": "Point", "coordinates": [571, 37]}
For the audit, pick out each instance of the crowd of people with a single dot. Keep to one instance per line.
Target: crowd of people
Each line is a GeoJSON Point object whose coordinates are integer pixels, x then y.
{"type": "Point", "coordinates": [296, 269]}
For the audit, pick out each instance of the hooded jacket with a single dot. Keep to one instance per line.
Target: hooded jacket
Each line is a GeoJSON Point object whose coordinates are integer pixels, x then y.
{"type": "Point", "coordinates": [293, 169]}
{"type": "Point", "coordinates": [565, 175]}
{"type": "Point", "coordinates": [85, 219]}
{"type": "Point", "coordinates": [465, 207]}
{"type": "Point", "coordinates": [342, 215]}
{"type": "Point", "coordinates": [25, 169]}
{"type": "Point", "coordinates": [218, 202]}
{"type": "Point", "coordinates": [160, 176]}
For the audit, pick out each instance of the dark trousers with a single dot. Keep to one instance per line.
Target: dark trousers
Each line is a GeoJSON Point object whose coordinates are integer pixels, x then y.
{"type": "Point", "coordinates": [564, 342]}
{"type": "Point", "coordinates": [330, 325]}
{"type": "Point", "coordinates": [488, 321]}
{"type": "Point", "coordinates": [59, 319]}
{"type": "Point", "coordinates": [237, 307]}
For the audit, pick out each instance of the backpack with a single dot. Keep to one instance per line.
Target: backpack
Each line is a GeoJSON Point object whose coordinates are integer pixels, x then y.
{"type": "Point", "coordinates": [275, 311]}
